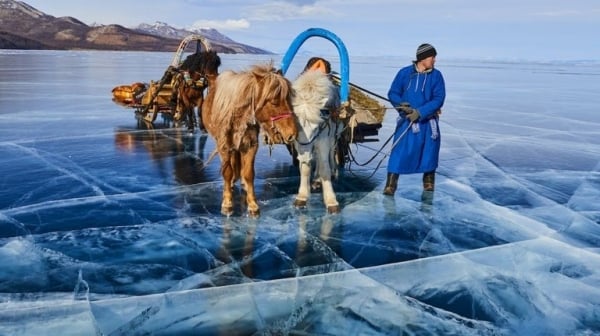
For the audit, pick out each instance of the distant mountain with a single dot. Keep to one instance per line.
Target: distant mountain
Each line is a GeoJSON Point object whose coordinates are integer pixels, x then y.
{"type": "Point", "coordinates": [24, 27]}
{"type": "Point", "coordinates": [216, 39]}
{"type": "Point", "coordinates": [163, 29]}
{"type": "Point", "coordinates": [11, 41]}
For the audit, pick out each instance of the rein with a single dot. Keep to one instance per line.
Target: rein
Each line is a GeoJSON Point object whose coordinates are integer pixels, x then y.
{"type": "Point", "coordinates": [381, 149]}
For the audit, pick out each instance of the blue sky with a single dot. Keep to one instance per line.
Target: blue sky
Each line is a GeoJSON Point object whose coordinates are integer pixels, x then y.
{"type": "Point", "coordinates": [479, 29]}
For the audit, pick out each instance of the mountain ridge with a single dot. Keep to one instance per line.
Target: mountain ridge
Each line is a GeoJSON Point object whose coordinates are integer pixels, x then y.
{"type": "Point", "coordinates": [25, 27]}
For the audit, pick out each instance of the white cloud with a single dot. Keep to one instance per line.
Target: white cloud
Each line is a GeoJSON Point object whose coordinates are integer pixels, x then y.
{"type": "Point", "coordinates": [275, 11]}
{"type": "Point", "coordinates": [222, 24]}
{"type": "Point", "coordinates": [280, 11]}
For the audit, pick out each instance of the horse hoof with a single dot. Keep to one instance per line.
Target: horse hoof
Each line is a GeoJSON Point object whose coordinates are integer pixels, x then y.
{"type": "Point", "coordinates": [254, 213]}
{"type": "Point", "coordinates": [333, 209]}
{"type": "Point", "coordinates": [227, 211]}
{"type": "Point", "coordinates": [300, 203]}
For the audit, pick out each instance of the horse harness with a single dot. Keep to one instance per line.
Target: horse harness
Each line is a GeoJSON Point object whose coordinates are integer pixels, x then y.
{"type": "Point", "coordinates": [199, 84]}
{"type": "Point", "coordinates": [328, 112]}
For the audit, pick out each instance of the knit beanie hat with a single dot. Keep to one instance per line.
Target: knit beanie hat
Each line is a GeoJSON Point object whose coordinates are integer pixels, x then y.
{"type": "Point", "coordinates": [425, 50]}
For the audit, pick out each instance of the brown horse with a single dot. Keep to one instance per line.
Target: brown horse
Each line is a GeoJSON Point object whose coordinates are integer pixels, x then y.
{"type": "Point", "coordinates": [237, 106]}
{"type": "Point", "coordinates": [189, 86]}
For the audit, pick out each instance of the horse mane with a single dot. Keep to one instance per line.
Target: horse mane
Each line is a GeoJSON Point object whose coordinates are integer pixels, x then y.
{"type": "Point", "coordinates": [203, 62]}
{"type": "Point", "coordinates": [240, 95]}
{"type": "Point", "coordinates": [212, 62]}
{"type": "Point", "coordinates": [313, 91]}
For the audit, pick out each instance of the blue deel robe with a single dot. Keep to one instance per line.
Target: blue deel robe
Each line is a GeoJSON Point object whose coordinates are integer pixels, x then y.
{"type": "Point", "coordinates": [418, 150]}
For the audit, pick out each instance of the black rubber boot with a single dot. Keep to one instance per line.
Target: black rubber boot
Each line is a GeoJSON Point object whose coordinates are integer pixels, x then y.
{"type": "Point", "coordinates": [429, 181]}
{"type": "Point", "coordinates": [391, 184]}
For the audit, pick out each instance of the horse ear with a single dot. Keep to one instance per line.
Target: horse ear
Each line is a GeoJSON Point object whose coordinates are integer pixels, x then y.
{"type": "Point", "coordinates": [321, 65]}
{"type": "Point", "coordinates": [279, 72]}
{"type": "Point", "coordinates": [318, 63]}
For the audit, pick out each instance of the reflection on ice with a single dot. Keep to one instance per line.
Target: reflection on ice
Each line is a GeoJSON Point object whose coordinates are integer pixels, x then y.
{"type": "Point", "coordinates": [479, 269]}
{"type": "Point", "coordinates": [539, 286]}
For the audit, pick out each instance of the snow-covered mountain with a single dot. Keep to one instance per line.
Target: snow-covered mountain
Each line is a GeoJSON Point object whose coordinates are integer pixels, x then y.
{"type": "Point", "coordinates": [214, 36]}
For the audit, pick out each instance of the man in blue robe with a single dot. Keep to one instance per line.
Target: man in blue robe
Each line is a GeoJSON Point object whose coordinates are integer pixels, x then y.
{"type": "Point", "coordinates": [417, 92]}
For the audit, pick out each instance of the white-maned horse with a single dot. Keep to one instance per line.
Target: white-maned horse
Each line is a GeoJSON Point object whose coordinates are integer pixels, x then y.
{"type": "Point", "coordinates": [316, 100]}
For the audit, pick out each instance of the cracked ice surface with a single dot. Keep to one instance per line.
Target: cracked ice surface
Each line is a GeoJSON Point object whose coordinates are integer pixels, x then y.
{"type": "Point", "coordinates": [110, 227]}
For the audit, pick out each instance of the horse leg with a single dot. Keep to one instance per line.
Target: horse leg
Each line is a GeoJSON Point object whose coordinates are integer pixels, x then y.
{"type": "Point", "coordinates": [323, 148]}
{"type": "Point", "coordinates": [332, 163]}
{"type": "Point", "coordinates": [304, 162]}
{"type": "Point", "coordinates": [248, 156]}
{"type": "Point", "coordinates": [244, 167]}
{"type": "Point", "coordinates": [194, 100]}
{"type": "Point", "coordinates": [188, 115]}
{"type": "Point", "coordinates": [316, 182]}
{"type": "Point", "coordinates": [188, 107]}
{"type": "Point", "coordinates": [292, 150]}
{"type": "Point", "coordinates": [199, 103]}
{"type": "Point", "coordinates": [228, 180]}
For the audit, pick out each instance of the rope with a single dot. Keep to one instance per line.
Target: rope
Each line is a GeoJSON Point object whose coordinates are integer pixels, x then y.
{"type": "Point", "coordinates": [353, 159]}
{"type": "Point", "coordinates": [336, 76]}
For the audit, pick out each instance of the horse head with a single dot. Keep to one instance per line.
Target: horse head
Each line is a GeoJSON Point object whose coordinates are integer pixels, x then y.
{"type": "Point", "coordinates": [202, 63]}
{"type": "Point", "coordinates": [272, 99]}
{"type": "Point", "coordinates": [198, 72]}
{"type": "Point", "coordinates": [211, 63]}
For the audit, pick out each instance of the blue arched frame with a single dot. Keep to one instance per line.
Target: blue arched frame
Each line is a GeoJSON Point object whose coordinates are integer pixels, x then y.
{"type": "Point", "coordinates": [343, 53]}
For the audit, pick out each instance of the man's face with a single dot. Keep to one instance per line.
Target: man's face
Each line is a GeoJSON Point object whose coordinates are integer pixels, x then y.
{"type": "Point", "coordinates": [428, 62]}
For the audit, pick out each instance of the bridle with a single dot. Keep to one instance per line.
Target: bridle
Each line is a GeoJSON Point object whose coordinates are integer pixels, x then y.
{"type": "Point", "coordinates": [275, 131]}
{"type": "Point", "coordinates": [272, 119]}
{"type": "Point", "coordinates": [279, 117]}
{"type": "Point", "coordinates": [200, 84]}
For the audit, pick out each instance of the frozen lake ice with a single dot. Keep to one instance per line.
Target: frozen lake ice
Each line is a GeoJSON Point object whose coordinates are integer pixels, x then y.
{"type": "Point", "coordinates": [109, 227]}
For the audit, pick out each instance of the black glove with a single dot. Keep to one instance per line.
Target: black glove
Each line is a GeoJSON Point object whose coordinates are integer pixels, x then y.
{"type": "Point", "coordinates": [413, 115]}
